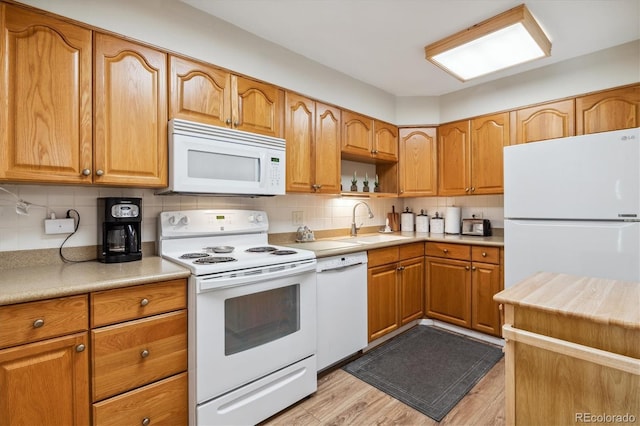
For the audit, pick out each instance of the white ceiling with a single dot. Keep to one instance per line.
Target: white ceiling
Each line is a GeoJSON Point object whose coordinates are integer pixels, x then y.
{"type": "Point", "coordinates": [381, 42]}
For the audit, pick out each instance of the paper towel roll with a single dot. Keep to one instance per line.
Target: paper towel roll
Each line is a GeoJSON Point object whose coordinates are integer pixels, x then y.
{"type": "Point", "coordinates": [452, 220]}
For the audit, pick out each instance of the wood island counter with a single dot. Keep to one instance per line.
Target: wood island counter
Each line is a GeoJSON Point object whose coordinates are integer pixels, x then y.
{"type": "Point", "coordinates": [572, 352]}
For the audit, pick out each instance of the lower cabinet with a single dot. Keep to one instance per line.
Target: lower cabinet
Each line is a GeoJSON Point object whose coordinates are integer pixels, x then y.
{"type": "Point", "coordinates": [461, 280]}
{"type": "Point", "coordinates": [395, 288]}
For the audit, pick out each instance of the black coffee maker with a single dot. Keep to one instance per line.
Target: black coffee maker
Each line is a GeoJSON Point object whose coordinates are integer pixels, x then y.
{"type": "Point", "coordinates": [119, 236]}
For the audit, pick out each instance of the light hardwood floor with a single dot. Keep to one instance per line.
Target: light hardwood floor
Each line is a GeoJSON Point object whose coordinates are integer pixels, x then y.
{"type": "Point", "coordinates": [343, 399]}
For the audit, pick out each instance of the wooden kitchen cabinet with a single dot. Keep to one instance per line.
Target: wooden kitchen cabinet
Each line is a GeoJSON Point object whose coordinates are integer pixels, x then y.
{"type": "Point", "coordinates": [608, 110]}
{"type": "Point", "coordinates": [204, 93]}
{"type": "Point", "coordinates": [545, 121]}
{"type": "Point", "coordinates": [418, 162]}
{"type": "Point", "coordinates": [139, 353]}
{"type": "Point", "coordinates": [44, 362]}
{"type": "Point", "coordinates": [368, 140]}
{"type": "Point", "coordinates": [470, 155]}
{"type": "Point", "coordinates": [395, 288]}
{"type": "Point", "coordinates": [45, 98]}
{"type": "Point", "coordinates": [130, 117]}
{"type": "Point", "coordinates": [461, 281]}
{"type": "Point", "coordinates": [312, 132]}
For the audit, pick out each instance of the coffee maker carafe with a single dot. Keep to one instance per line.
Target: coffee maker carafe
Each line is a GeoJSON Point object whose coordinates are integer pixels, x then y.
{"type": "Point", "coordinates": [120, 222]}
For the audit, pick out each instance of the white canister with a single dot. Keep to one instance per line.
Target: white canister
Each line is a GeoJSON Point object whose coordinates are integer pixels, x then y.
{"type": "Point", "coordinates": [406, 221]}
{"type": "Point", "coordinates": [422, 222]}
{"type": "Point", "coordinates": [452, 220]}
{"type": "Point", "coordinates": [436, 225]}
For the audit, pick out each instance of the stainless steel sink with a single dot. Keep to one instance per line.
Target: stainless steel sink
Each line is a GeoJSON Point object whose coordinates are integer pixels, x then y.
{"type": "Point", "coordinates": [373, 239]}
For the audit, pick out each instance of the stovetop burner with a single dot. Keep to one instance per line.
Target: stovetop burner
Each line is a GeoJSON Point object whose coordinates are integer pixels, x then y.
{"type": "Point", "coordinates": [261, 249]}
{"type": "Point", "coordinates": [212, 259]}
{"type": "Point", "coordinates": [219, 249]}
{"type": "Point", "coordinates": [193, 255]}
{"type": "Point", "coordinates": [283, 252]}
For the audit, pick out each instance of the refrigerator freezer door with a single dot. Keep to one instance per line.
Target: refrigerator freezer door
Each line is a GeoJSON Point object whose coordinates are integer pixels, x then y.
{"type": "Point", "coordinates": [586, 248]}
{"type": "Point", "coordinates": [583, 177]}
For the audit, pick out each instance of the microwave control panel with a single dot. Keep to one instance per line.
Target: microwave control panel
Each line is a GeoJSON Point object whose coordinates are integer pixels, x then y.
{"type": "Point", "coordinates": [275, 169]}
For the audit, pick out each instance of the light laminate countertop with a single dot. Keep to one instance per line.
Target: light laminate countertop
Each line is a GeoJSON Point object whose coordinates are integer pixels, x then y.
{"type": "Point", "coordinates": [596, 299]}
{"type": "Point", "coordinates": [49, 281]}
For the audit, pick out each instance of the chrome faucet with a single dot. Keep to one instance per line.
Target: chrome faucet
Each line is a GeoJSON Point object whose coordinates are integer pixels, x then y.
{"type": "Point", "coordinates": [354, 228]}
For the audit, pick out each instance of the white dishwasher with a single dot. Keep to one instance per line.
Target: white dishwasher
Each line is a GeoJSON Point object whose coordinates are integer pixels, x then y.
{"type": "Point", "coordinates": [342, 307]}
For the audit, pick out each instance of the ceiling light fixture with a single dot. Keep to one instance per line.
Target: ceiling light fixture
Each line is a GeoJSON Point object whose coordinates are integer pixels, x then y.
{"type": "Point", "coordinates": [508, 39]}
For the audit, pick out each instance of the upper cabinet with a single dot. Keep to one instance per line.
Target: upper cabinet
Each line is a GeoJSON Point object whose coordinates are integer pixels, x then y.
{"type": "Point", "coordinates": [312, 132]}
{"type": "Point", "coordinates": [608, 110]}
{"type": "Point", "coordinates": [470, 155]}
{"type": "Point", "coordinates": [45, 98]}
{"type": "Point", "coordinates": [369, 140]}
{"type": "Point", "coordinates": [130, 117]}
{"type": "Point", "coordinates": [204, 93]}
{"type": "Point", "coordinates": [545, 121]}
{"type": "Point", "coordinates": [418, 162]}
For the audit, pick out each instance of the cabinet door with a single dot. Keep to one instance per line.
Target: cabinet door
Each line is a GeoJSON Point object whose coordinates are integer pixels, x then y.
{"type": "Point", "coordinates": [485, 283]}
{"type": "Point", "coordinates": [130, 113]}
{"type": "Point", "coordinates": [448, 284]}
{"type": "Point", "coordinates": [454, 159]}
{"type": "Point", "coordinates": [546, 121]}
{"type": "Point", "coordinates": [327, 149]}
{"type": "Point", "coordinates": [489, 134]}
{"type": "Point", "coordinates": [418, 162]}
{"type": "Point", "coordinates": [411, 290]}
{"type": "Point", "coordinates": [199, 92]}
{"type": "Point", "coordinates": [299, 134]}
{"type": "Point", "coordinates": [46, 383]}
{"type": "Point", "coordinates": [608, 110]}
{"type": "Point", "coordinates": [382, 296]}
{"type": "Point", "coordinates": [357, 135]}
{"type": "Point", "coordinates": [257, 107]}
{"type": "Point", "coordinates": [385, 141]}
{"type": "Point", "coordinates": [45, 98]}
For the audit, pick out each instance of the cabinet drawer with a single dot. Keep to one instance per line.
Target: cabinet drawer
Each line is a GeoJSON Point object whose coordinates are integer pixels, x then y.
{"type": "Point", "coordinates": [485, 254]}
{"type": "Point", "coordinates": [163, 403]}
{"type": "Point", "coordinates": [408, 251]}
{"type": "Point", "coordinates": [33, 321]}
{"type": "Point", "coordinates": [449, 251]}
{"type": "Point", "coordinates": [382, 256]}
{"type": "Point", "coordinates": [139, 352]}
{"type": "Point", "coordinates": [124, 304]}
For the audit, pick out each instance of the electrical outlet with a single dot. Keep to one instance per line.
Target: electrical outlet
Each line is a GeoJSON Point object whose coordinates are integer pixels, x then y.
{"type": "Point", "coordinates": [475, 214]}
{"type": "Point", "coordinates": [58, 226]}
{"type": "Point", "coordinates": [297, 218]}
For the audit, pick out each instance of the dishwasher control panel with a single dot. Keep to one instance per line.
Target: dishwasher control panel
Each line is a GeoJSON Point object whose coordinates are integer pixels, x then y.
{"type": "Point", "coordinates": [343, 261]}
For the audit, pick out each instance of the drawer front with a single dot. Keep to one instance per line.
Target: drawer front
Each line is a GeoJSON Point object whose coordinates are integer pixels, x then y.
{"type": "Point", "coordinates": [129, 355]}
{"type": "Point", "coordinates": [163, 403]}
{"type": "Point", "coordinates": [449, 251]}
{"type": "Point", "coordinates": [382, 256]}
{"type": "Point", "coordinates": [33, 321]}
{"type": "Point", "coordinates": [124, 304]}
{"type": "Point", "coordinates": [485, 254]}
{"type": "Point", "coordinates": [408, 251]}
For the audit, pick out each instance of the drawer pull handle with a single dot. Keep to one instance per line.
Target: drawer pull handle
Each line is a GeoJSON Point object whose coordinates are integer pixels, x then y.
{"type": "Point", "coordinates": [38, 323]}
{"type": "Point", "coordinates": [80, 348]}
{"type": "Point", "coordinates": [146, 421]}
{"type": "Point", "coordinates": [445, 250]}
{"type": "Point", "coordinates": [484, 254]}
{"type": "Point", "coordinates": [144, 353]}
{"type": "Point", "coordinates": [144, 302]}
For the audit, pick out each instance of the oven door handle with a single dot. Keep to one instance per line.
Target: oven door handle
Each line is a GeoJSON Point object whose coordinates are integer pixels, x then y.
{"type": "Point", "coordinates": [230, 279]}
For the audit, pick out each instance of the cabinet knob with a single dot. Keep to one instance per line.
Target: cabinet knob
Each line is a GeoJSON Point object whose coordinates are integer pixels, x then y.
{"type": "Point", "coordinates": [445, 250]}
{"type": "Point", "coordinates": [86, 172]}
{"type": "Point", "coordinates": [400, 268]}
{"type": "Point", "coordinates": [38, 323]}
{"type": "Point", "coordinates": [80, 348]}
{"type": "Point", "coordinates": [316, 186]}
{"type": "Point", "coordinates": [375, 151]}
{"type": "Point", "coordinates": [466, 267]}
{"type": "Point", "coordinates": [473, 188]}
{"type": "Point", "coordinates": [99, 172]}
{"type": "Point", "coordinates": [144, 302]}
{"type": "Point", "coordinates": [146, 421]}
{"type": "Point", "coordinates": [236, 123]}
{"type": "Point", "coordinates": [227, 121]}
{"type": "Point", "coordinates": [466, 190]}
{"type": "Point", "coordinates": [484, 254]}
{"type": "Point", "coordinates": [473, 268]}
{"type": "Point", "coordinates": [144, 353]}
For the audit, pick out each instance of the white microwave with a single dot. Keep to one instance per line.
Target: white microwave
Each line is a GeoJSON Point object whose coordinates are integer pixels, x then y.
{"type": "Point", "coordinates": [212, 160]}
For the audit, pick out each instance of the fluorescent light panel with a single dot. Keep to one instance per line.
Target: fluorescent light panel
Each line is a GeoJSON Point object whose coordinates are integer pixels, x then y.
{"type": "Point", "coordinates": [508, 39]}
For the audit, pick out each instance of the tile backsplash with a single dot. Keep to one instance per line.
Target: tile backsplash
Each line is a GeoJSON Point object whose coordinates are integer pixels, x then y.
{"type": "Point", "coordinates": [25, 232]}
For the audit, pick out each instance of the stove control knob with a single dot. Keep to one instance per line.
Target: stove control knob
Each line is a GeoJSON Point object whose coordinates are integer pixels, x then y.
{"type": "Point", "coordinates": [259, 218]}
{"type": "Point", "coordinates": [251, 218]}
{"type": "Point", "coordinates": [172, 220]}
{"type": "Point", "coordinates": [184, 220]}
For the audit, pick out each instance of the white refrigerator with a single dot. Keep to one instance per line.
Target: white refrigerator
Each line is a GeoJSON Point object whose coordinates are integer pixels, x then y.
{"type": "Point", "coordinates": [572, 205]}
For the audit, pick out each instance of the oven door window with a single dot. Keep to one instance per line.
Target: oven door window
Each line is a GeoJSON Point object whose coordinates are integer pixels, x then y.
{"type": "Point", "coordinates": [258, 318]}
